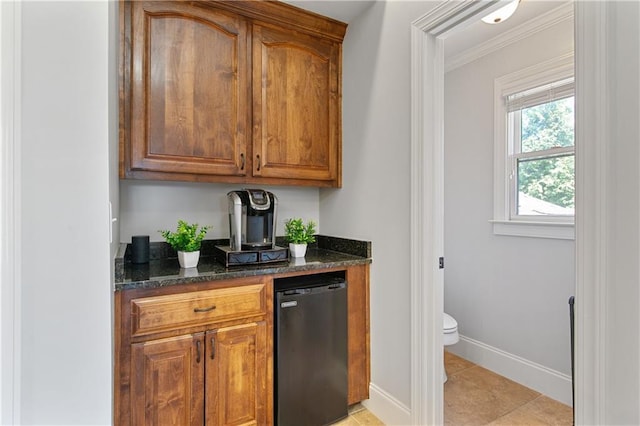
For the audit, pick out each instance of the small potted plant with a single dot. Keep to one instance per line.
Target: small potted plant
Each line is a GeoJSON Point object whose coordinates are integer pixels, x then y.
{"type": "Point", "coordinates": [186, 241]}
{"type": "Point", "coordinates": [299, 235]}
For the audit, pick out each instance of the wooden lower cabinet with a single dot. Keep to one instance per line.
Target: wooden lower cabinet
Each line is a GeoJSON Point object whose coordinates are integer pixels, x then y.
{"type": "Point", "coordinates": [167, 384]}
{"type": "Point", "coordinates": [235, 384]}
{"type": "Point", "coordinates": [202, 354]}
{"type": "Point", "coordinates": [212, 378]}
{"type": "Point", "coordinates": [358, 331]}
{"type": "Point", "coordinates": [195, 354]}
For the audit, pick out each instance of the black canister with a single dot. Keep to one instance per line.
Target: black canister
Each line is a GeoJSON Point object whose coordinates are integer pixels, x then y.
{"type": "Point", "coordinates": [140, 249]}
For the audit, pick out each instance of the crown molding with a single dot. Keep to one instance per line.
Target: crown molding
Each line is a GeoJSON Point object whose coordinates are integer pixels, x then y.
{"type": "Point", "coordinates": [529, 28]}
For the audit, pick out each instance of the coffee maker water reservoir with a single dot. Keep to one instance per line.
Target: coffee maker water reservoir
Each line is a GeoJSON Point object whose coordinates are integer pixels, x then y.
{"type": "Point", "coordinates": [252, 219]}
{"type": "Point", "coordinates": [252, 228]}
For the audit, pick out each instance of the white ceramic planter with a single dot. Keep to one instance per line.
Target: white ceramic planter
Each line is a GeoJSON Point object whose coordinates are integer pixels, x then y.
{"type": "Point", "coordinates": [188, 259]}
{"type": "Point", "coordinates": [297, 250]}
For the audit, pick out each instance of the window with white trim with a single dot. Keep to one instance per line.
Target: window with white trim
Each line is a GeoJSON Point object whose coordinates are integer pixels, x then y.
{"type": "Point", "coordinates": [535, 152]}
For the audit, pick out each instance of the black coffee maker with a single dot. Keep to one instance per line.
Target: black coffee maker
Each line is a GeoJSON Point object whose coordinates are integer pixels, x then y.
{"type": "Point", "coordinates": [252, 219]}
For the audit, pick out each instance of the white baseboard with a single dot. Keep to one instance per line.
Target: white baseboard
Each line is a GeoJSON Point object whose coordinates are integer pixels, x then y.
{"type": "Point", "coordinates": [385, 407]}
{"type": "Point", "coordinates": [548, 382]}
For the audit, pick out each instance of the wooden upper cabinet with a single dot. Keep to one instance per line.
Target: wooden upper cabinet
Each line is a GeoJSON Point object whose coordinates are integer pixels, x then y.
{"type": "Point", "coordinates": [189, 90]}
{"type": "Point", "coordinates": [230, 91]}
{"type": "Point", "coordinates": [296, 106]}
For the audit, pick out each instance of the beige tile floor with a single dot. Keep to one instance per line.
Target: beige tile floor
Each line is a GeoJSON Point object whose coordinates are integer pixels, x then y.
{"type": "Point", "coordinates": [359, 416]}
{"type": "Point", "coordinates": [476, 396]}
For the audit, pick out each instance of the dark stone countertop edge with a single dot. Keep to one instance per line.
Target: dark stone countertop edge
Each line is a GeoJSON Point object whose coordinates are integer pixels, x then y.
{"type": "Point", "coordinates": [346, 252]}
{"type": "Point", "coordinates": [158, 282]}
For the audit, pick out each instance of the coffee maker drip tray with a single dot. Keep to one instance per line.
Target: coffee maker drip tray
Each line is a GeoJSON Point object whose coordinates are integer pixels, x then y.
{"type": "Point", "coordinates": [229, 257]}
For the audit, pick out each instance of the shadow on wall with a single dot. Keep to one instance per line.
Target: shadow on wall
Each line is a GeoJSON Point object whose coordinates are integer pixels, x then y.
{"type": "Point", "coordinates": [146, 206]}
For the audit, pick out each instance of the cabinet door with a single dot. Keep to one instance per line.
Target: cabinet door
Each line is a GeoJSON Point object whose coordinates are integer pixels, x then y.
{"type": "Point", "coordinates": [236, 375]}
{"type": "Point", "coordinates": [168, 381]}
{"type": "Point", "coordinates": [296, 106]}
{"type": "Point", "coordinates": [189, 90]}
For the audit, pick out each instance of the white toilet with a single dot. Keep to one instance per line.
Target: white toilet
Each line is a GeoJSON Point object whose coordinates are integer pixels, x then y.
{"type": "Point", "coordinates": [450, 336]}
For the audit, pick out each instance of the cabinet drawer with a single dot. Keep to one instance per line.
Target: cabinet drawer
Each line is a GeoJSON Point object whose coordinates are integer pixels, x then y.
{"type": "Point", "coordinates": [175, 311]}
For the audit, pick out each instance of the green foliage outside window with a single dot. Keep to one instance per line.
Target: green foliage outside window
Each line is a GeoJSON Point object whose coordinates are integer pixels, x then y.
{"type": "Point", "coordinates": [544, 127]}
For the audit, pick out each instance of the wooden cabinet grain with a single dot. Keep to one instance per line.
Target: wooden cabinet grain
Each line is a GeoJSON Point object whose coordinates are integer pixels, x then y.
{"type": "Point", "coordinates": [188, 89]}
{"type": "Point", "coordinates": [296, 111]}
{"type": "Point", "coordinates": [236, 388]}
{"type": "Point", "coordinates": [167, 386]}
{"type": "Point", "coordinates": [358, 331]}
{"type": "Point", "coordinates": [212, 378]}
{"type": "Point", "coordinates": [202, 353]}
{"type": "Point", "coordinates": [236, 92]}
{"type": "Point", "coordinates": [208, 369]}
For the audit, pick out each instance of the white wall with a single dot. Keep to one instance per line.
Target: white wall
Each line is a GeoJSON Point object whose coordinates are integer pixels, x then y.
{"type": "Point", "coordinates": [9, 213]}
{"type": "Point", "coordinates": [65, 312]}
{"type": "Point", "coordinates": [147, 206]}
{"type": "Point", "coordinates": [374, 201]}
{"type": "Point", "coordinates": [621, 291]}
{"type": "Point", "coordinates": [509, 293]}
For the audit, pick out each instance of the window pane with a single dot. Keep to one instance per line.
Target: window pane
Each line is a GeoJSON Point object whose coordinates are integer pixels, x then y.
{"type": "Point", "coordinates": [546, 186]}
{"type": "Point", "coordinates": [548, 125]}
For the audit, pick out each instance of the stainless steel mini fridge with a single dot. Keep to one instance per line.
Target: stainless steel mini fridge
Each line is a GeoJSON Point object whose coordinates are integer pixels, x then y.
{"type": "Point", "coordinates": [311, 350]}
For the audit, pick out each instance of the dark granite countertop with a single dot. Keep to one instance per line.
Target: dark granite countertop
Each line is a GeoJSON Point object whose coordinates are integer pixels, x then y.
{"type": "Point", "coordinates": [163, 268]}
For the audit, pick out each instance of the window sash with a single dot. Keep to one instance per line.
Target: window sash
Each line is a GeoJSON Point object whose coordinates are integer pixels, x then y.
{"type": "Point", "coordinates": [514, 190]}
{"type": "Point", "coordinates": [561, 151]}
{"type": "Point", "coordinates": [515, 155]}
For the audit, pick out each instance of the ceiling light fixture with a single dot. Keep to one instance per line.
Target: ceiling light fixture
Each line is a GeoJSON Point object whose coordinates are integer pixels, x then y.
{"type": "Point", "coordinates": [501, 14]}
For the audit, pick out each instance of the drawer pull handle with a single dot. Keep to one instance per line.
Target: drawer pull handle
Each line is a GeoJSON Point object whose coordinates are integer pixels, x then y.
{"type": "Point", "coordinates": [258, 156]}
{"type": "Point", "coordinates": [198, 351]}
{"type": "Point", "coordinates": [242, 161]}
{"type": "Point", "coordinates": [200, 310]}
{"type": "Point", "coordinates": [213, 348]}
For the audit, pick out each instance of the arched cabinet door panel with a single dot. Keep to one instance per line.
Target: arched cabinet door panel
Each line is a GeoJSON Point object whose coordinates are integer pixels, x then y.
{"type": "Point", "coordinates": [189, 90]}
{"type": "Point", "coordinates": [296, 106]}
{"type": "Point", "coordinates": [235, 91]}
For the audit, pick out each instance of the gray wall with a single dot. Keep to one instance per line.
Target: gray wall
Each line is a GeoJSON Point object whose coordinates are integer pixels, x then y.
{"type": "Point", "coordinates": [620, 291]}
{"type": "Point", "coordinates": [506, 292]}
{"type": "Point", "coordinates": [147, 206]}
{"type": "Point", "coordinates": [65, 291]}
{"type": "Point", "coordinates": [374, 202]}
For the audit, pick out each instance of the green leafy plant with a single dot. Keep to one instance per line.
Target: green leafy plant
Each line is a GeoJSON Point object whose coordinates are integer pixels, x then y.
{"type": "Point", "coordinates": [297, 232]}
{"type": "Point", "coordinates": [187, 237]}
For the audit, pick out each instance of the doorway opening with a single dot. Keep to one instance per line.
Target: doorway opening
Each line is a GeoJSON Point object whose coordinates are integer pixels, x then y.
{"type": "Point", "coordinates": [507, 284]}
{"type": "Point", "coordinates": [427, 150]}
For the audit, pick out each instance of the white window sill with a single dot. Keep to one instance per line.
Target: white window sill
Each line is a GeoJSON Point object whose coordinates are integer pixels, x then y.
{"type": "Point", "coordinates": [555, 230]}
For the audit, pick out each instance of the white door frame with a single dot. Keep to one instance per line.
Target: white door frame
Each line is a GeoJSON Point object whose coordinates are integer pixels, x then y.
{"type": "Point", "coordinates": [10, 251]}
{"type": "Point", "coordinates": [427, 205]}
